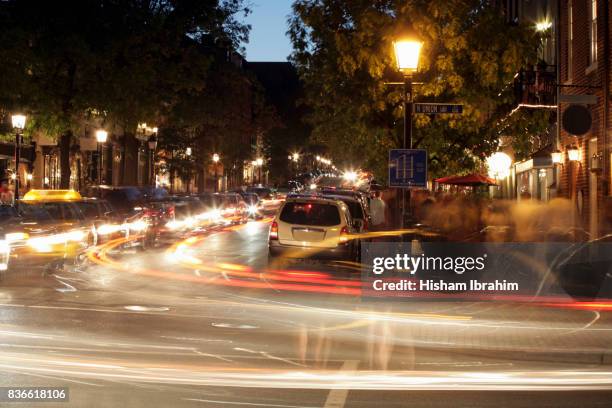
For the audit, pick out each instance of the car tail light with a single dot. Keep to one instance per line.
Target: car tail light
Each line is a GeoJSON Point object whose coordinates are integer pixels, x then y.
{"type": "Point", "coordinates": [344, 235]}
{"type": "Point", "coordinates": [274, 230]}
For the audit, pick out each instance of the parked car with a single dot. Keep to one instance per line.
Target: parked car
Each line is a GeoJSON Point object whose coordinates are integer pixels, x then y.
{"type": "Point", "coordinates": [127, 200]}
{"type": "Point", "coordinates": [15, 231]}
{"type": "Point", "coordinates": [107, 223]}
{"type": "Point", "coordinates": [313, 227]}
{"type": "Point", "coordinates": [254, 205]}
{"type": "Point", "coordinates": [67, 232]}
{"type": "Point", "coordinates": [231, 206]}
{"type": "Point", "coordinates": [269, 200]}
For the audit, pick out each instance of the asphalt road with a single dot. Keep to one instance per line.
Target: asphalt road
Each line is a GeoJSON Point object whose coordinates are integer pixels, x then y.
{"type": "Point", "coordinates": [206, 322]}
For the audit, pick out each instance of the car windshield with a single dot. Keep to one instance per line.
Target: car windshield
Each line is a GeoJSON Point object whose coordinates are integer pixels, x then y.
{"type": "Point", "coordinates": [34, 212]}
{"type": "Point", "coordinates": [89, 209]}
{"type": "Point", "coordinates": [310, 213]}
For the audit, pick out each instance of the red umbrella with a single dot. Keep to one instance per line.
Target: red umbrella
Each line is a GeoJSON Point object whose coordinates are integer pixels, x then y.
{"type": "Point", "coordinates": [467, 180]}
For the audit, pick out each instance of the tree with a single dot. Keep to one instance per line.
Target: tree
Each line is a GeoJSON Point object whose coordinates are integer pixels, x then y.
{"type": "Point", "coordinates": [343, 49]}
{"type": "Point", "coordinates": [220, 118]}
{"type": "Point", "coordinates": [128, 61]}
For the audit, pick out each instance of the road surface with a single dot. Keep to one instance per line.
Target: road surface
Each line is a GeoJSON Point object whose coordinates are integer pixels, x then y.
{"type": "Point", "coordinates": [206, 322]}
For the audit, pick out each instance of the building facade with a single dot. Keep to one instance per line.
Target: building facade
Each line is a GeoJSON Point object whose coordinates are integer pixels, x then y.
{"type": "Point", "coordinates": [585, 175]}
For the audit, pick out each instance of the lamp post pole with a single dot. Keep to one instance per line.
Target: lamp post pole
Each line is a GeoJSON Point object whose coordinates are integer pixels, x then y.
{"type": "Point", "coordinates": [407, 142]}
{"type": "Point", "coordinates": [17, 160]}
{"type": "Point", "coordinates": [101, 137]}
{"type": "Point", "coordinates": [18, 122]}
{"type": "Point", "coordinates": [216, 163]}
{"type": "Point", "coordinates": [407, 52]}
{"type": "Point", "coordinates": [259, 162]}
{"type": "Point", "coordinates": [152, 142]}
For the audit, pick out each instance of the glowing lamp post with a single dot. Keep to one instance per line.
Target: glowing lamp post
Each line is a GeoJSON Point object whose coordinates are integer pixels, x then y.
{"type": "Point", "coordinates": [407, 53]}
{"type": "Point", "coordinates": [215, 159]}
{"type": "Point", "coordinates": [18, 122]}
{"type": "Point", "coordinates": [152, 142]}
{"type": "Point", "coordinates": [499, 165]}
{"type": "Point", "coordinates": [101, 138]}
{"type": "Point", "coordinates": [296, 158]}
{"type": "Point", "coordinates": [259, 162]}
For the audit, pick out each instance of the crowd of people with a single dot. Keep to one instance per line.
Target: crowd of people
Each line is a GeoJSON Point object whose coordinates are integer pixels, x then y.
{"type": "Point", "coordinates": [471, 216]}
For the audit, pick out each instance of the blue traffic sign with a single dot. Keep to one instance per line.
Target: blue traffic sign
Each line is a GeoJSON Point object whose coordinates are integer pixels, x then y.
{"type": "Point", "coordinates": [408, 168]}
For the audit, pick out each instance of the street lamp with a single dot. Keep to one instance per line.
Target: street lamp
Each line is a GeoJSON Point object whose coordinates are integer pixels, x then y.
{"type": "Point", "coordinates": [188, 151]}
{"type": "Point", "coordinates": [499, 165]}
{"type": "Point", "coordinates": [407, 52]}
{"type": "Point", "coordinates": [295, 157]}
{"type": "Point", "coordinates": [557, 157]}
{"type": "Point", "coordinates": [18, 122]}
{"type": "Point", "coordinates": [350, 176]}
{"type": "Point", "coordinates": [573, 153]}
{"type": "Point", "coordinates": [101, 137]}
{"type": "Point", "coordinates": [542, 26]}
{"type": "Point", "coordinates": [152, 142]}
{"type": "Point", "coordinates": [259, 162]}
{"type": "Point", "coordinates": [215, 159]}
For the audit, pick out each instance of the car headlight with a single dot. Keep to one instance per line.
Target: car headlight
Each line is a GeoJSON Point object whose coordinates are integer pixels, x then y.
{"type": "Point", "coordinates": [106, 229]}
{"type": "Point", "coordinates": [139, 225]}
{"type": "Point", "coordinates": [45, 243]}
{"type": "Point", "coordinates": [16, 236]}
{"type": "Point", "coordinates": [4, 246]}
{"type": "Point", "coordinates": [252, 209]}
{"type": "Point", "coordinates": [173, 225]}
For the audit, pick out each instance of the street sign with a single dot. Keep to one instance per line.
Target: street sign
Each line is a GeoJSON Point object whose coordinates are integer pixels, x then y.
{"type": "Point", "coordinates": [438, 108]}
{"type": "Point", "coordinates": [408, 168]}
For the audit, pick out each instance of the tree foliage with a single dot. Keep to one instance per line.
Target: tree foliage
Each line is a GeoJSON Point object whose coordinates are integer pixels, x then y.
{"type": "Point", "coordinates": [125, 61]}
{"type": "Point", "coordinates": [343, 49]}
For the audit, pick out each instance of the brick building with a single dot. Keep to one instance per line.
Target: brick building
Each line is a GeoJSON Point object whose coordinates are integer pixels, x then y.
{"type": "Point", "coordinates": [584, 40]}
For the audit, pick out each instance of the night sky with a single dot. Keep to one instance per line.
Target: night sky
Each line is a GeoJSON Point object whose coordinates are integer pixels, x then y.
{"type": "Point", "coordinates": [268, 41]}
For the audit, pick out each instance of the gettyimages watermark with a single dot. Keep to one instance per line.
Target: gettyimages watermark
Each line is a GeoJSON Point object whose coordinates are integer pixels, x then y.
{"type": "Point", "coordinates": [484, 271]}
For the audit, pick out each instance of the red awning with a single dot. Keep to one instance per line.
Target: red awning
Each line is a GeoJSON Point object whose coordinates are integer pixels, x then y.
{"type": "Point", "coordinates": [467, 180]}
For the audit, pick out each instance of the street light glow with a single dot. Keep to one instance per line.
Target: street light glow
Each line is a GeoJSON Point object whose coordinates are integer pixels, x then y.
{"type": "Point", "coordinates": [215, 157]}
{"type": "Point", "coordinates": [350, 175]}
{"type": "Point", "coordinates": [188, 151]}
{"type": "Point", "coordinates": [18, 121]}
{"type": "Point", "coordinates": [557, 157]}
{"type": "Point", "coordinates": [407, 54]}
{"type": "Point", "coordinates": [296, 156]}
{"type": "Point", "coordinates": [573, 153]}
{"type": "Point", "coordinates": [259, 161]}
{"type": "Point", "coordinates": [499, 165]}
{"type": "Point", "coordinates": [101, 135]}
{"type": "Point", "coordinates": [543, 25]}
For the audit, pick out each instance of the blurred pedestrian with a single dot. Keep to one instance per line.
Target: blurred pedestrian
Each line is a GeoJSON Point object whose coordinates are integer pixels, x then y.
{"type": "Point", "coordinates": [6, 194]}
{"type": "Point", "coordinates": [377, 211]}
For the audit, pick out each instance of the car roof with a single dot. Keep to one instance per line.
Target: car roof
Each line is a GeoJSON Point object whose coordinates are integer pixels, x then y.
{"type": "Point", "coordinates": [342, 198]}
{"type": "Point", "coordinates": [313, 199]}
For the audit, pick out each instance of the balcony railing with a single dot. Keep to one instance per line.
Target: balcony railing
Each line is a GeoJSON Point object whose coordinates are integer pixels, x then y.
{"type": "Point", "coordinates": [536, 86]}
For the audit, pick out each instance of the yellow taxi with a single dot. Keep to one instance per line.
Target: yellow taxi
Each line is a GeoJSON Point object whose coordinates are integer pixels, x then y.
{"type": "Point", "coordinates": [51, 227]}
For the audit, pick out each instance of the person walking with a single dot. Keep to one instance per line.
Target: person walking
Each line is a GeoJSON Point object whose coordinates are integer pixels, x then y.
{"type": "Point", "coordinates": [6, 194]}
{"type": "Point", "coordinates": [377, 211]}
